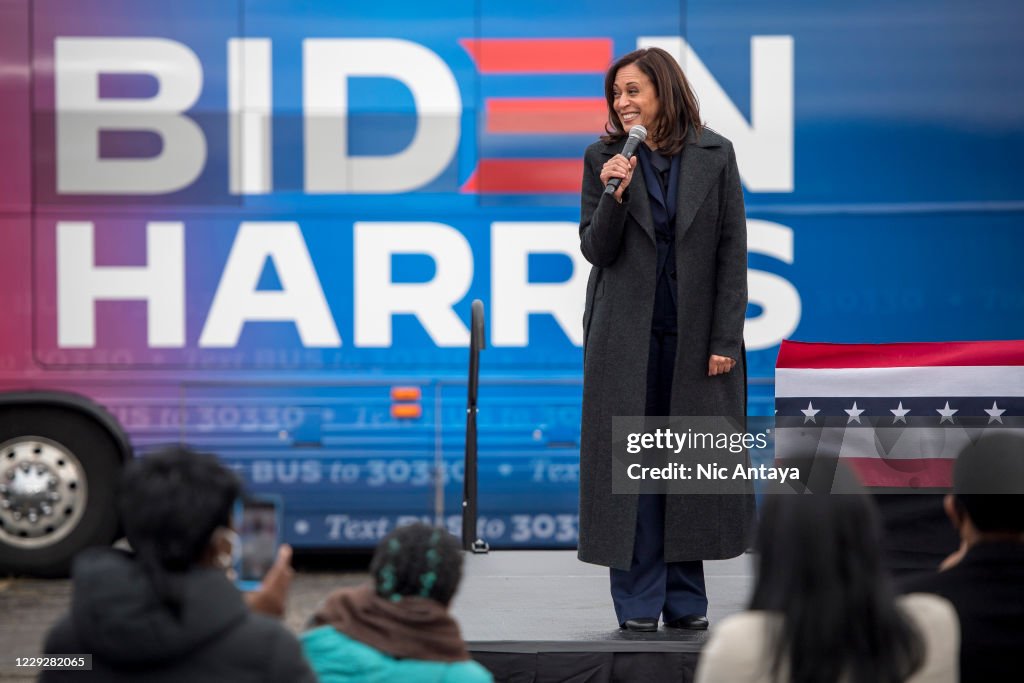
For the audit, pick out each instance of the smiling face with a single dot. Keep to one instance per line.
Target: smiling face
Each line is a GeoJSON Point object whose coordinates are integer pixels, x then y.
{"type": "Point", "coordinates": [634, 98]}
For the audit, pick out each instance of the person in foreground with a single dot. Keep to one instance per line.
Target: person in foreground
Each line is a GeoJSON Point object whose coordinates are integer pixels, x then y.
{"type": "Point", "coordinates": [398, 627]}
{"type": "Point", "coordinates": [167, 611]}
{"type": "Point", "coordinates": [663, 334]}
{"type": "Point", "coordinates": [823, 609]}
{"type": "Point", "coordinates": [985, 578]}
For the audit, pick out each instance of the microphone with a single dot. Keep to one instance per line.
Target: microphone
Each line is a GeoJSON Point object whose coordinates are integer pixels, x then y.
{"type": "Point", "coordinates": [637, 134]}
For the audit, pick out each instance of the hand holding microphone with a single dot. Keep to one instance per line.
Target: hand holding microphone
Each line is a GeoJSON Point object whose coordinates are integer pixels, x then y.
{"type": "Point", "coordinates": [618, 171]}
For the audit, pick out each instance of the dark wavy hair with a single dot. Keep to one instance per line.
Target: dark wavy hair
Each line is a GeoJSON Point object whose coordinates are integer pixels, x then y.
{"type": "Point", "coordinates": [170, 503]}
{"type": "Point", "coordinates": [679, 111]}
{"type": "Point", "coordinates": [417, 560]}
{"type": "Point", "coordinates": [820, 569]}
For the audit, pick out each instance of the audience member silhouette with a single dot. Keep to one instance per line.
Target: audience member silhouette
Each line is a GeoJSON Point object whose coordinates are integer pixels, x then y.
{"type": "Point", "coordinates": [823, 609]}
{"type": "Point", "coordinates": [398, 627]}
{"type": "Point", "coordinates": [167, 611]}
{"type": "Point", "coordinates": [985, 578]}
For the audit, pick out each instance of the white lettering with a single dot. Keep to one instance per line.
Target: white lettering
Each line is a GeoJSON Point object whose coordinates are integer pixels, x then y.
{"type": "Point", "coordinates": [300, 299]}
{"type": "Point", "coordinates": [778, 298]}
{"type": "Point", "coordinates": [82, 114]}
{"type": "Point", "coordinates": [329, 63]}
{"type": "Point", "coordinates": [249, 109]}
{"type": "Point", "coordinates": [160, 283]}
{"type": "Point", "coordinates": [378, 298]}
{"type": "Point", "coordinates": [514, 298]}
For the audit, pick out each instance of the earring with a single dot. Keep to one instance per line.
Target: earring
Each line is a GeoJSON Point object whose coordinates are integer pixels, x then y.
{"type": "Point", "coordinates": [224, 561]}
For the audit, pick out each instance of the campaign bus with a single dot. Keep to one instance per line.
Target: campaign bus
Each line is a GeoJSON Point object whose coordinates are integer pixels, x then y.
{"type": "Point", "coordinates": [257, 227]}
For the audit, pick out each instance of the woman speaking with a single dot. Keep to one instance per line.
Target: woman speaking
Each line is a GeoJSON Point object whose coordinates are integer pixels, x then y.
{"type": "Point", "coordinates": [663, 334]}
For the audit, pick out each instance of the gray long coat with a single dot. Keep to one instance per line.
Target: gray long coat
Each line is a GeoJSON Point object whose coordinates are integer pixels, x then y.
{"type": "Point", "coordinates": [711, 258]}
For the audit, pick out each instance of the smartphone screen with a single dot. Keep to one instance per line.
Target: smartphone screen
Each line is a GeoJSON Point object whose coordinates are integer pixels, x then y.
{"type": "Point", "coordinates": [257, 523]}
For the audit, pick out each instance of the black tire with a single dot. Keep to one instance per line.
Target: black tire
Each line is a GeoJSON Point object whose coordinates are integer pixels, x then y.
{"type": "Point", "coordinates": [97, 454]}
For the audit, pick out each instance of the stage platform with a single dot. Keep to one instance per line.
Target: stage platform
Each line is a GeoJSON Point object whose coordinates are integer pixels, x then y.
{"type": "Point", "coordinates": [545, 616]}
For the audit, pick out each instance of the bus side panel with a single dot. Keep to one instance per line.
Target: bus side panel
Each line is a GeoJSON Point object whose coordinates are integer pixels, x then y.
{"type": "Point", "coordinates": [15, 138]}
{"type": "Point", "coordinates": [15, 299]}
{"type": "Point", "coordinates": [15, 189]}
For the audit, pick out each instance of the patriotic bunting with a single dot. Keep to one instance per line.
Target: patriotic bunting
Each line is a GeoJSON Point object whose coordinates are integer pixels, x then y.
{"type": "Point", "coordinates": [898, 413]}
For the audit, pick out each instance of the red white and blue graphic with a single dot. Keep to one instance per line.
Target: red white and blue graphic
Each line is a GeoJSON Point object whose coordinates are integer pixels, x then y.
{"type": "Point", "coordinates": [898, 413]}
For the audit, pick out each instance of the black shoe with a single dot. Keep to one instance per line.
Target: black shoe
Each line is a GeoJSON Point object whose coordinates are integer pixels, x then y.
{"type": "Point", "coordinates": [643, 624]}
{"type": "Point", "coordinates": [692, 622]}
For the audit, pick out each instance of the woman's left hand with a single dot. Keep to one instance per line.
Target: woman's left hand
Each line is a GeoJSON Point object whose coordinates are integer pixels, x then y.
{"type": "Point", "coordinates": [719, 365]}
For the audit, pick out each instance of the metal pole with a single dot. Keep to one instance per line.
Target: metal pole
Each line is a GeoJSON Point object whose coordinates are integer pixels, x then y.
{"type": "Point", "coordinates": [470, 541]}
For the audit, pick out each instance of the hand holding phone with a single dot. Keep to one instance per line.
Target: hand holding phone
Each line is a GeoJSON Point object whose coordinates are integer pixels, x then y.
{"type": "Point", "coordinates": [257, 521]}
{"type": "Point", "coordinates": [272, 595]}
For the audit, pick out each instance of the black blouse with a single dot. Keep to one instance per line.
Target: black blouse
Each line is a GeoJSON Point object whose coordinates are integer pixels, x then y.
{"type": "Point", "coordinates": [661, 174]}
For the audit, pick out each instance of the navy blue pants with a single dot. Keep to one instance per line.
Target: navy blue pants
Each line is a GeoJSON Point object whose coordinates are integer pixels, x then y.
{"type": "Point", "coordinates": [651, 586]}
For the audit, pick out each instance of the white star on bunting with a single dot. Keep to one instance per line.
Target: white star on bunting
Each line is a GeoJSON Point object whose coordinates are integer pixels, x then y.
{"type": "Point", "coordinates": [809, 413]}
{"type": "Point", "coordinates": [854, 413]}
{"type": "Point", "coordinates": [995, 413]}
{"type": "Point", "coordinates": [899, 413]}
{"type": "Point", "coordinates": [947, 413]}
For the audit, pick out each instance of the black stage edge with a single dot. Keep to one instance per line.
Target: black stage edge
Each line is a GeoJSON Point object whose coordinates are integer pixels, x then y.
{"type": "Point", "coordinates": [538, 616]}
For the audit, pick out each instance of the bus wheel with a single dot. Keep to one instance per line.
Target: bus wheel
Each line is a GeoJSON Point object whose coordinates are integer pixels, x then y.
{"type": "Point", "coordinates": [58, 475]}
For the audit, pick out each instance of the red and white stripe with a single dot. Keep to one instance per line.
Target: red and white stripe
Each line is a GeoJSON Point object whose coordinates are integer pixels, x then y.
{"type": "Point", "coordinates": [537, 116]}
{"type": "Point", "coordinates": [900, 370]}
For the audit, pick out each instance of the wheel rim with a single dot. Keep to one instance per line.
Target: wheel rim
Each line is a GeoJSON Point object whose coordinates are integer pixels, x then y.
{"type": "Point", "coordinates": [43, 492]}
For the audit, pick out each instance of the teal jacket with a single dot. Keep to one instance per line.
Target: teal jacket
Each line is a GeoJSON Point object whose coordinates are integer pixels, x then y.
{"type": "Point", "coordinates": [336, 658]}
